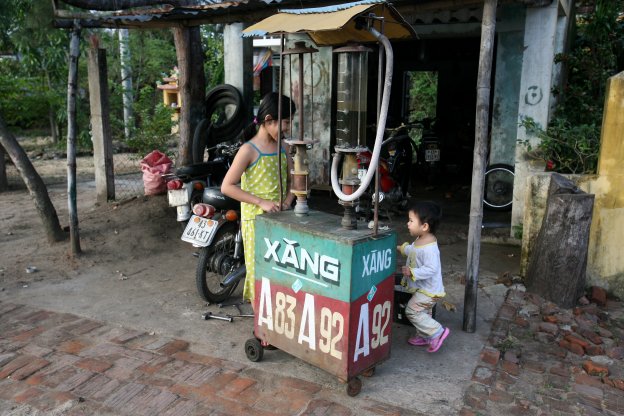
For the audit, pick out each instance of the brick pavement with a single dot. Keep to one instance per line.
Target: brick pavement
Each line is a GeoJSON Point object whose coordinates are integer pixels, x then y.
{"type": "Point", "coordinates": [543, 360]}
{"type": "Point", "coordinates": [62, 364]}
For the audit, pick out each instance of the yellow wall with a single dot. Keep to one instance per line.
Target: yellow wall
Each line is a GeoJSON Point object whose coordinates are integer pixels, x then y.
{"type": "Point", "coordinates": [606, 254]}
{"type": "Point", "coordinates": [605, 261]}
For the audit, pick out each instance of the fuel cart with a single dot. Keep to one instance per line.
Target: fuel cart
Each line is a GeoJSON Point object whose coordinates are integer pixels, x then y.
{"type": "Point", "coordinates": [324, 289]}
{"type": "Point", "coordinates": [324, 294]}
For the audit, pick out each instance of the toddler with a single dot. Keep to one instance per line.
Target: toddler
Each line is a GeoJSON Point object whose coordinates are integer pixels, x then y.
{"type": "Point", "coordinates": [422, 275]}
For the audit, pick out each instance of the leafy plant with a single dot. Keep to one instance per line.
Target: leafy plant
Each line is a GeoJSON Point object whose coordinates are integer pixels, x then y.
{"type": "Point", "coordinates": [571, 141]}
{"type": "Point", "coordinates": [565, 147]}
{"type": "Point", "coordinates": [212, 39]}
{"type": "Point", "coordinates": [507, 344]}
{"type": "Point", "coordinates": [155, 121]}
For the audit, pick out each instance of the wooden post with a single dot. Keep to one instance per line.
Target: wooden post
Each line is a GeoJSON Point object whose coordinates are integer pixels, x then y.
{"type": "Point", "coordinates": [100, 125]}
{"type": "Point", "coordinates": [558, 262]}
{"type": "Point", "coordinates": [72, 85]}
{"type": "Point", "coordinates": [4, 183]}
{"type": "Point", "coordinates": [488, 26]}
{"type": "Point", "coordinates": [192, 83]}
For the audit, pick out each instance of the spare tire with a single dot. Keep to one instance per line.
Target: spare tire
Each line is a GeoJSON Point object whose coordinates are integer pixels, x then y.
{"type": "Point", "coordinates": [225, 118]}
{"type": "Point", "coordinates": [200, 140]}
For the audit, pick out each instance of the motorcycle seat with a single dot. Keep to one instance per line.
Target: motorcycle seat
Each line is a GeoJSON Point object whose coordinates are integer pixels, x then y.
{"type": "Point", "coordinates": [202, 169]}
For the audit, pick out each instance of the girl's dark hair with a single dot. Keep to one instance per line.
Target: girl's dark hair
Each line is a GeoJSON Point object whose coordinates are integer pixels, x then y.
{"type": "Point", "coordinates": [269, 107]}
{"type": "Point", "coordinates": [429, 213]}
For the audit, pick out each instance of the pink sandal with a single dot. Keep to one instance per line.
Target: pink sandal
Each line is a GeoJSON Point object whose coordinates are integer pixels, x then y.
{"type": "Point", "coordinates": [418, 341]}
{"type": "Point", "coordinates": [436, 343]}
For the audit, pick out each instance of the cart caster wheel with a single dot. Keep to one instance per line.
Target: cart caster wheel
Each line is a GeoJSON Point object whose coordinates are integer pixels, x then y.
{"type": "Point", "coordinates": [368, 373]}
{"type": "Point", "coordinates": [254, 350]}
{"type": "Point", "coordinates": [354, 386]}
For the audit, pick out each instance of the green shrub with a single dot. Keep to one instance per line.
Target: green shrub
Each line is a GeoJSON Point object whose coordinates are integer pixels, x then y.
{"type": "Point", "coordinates": [571, 142]}
{"type": "Point", "coordinates": [154, 124]}
{"type": "Point", "coordinates": [566, 148]}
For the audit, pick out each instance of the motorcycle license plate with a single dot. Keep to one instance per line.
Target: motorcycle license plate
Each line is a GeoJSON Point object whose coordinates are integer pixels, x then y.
{"type": "Point", "coordinates": [432, 155]}
{"type": "Point", "coordinates": [199, 231]}
{"type": "Point", "coordinates": [177, 197]}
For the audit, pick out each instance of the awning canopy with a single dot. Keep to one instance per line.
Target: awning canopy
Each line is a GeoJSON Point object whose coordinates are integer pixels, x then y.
{"type": "Point", "coordinates": [335, 25]}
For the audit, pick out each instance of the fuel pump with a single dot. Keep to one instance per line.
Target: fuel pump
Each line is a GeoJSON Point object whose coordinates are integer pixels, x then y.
{"type": "Point", "coordinates": [352, 187]}
{"type": "Point", "coordinates": [299, 174]}
{"type": "Point", "coordinates": [351, 104]}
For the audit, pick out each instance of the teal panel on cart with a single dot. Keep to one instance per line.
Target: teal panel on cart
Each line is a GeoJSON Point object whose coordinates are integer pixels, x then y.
{"type": "Point", "coordinates": [373, 261]}
{"type": "Point", "coordinates": [315, 254]}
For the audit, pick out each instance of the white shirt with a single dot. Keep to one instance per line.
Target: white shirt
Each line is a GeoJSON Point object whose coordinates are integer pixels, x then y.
{"type": "Point", "coordinates": [424, 262]}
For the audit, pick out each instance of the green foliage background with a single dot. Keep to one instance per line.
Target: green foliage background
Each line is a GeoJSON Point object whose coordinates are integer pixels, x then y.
{"type": "Point", "coordinates": [571, 141]}
{"type": "Point", "coordinates": [33, 75]}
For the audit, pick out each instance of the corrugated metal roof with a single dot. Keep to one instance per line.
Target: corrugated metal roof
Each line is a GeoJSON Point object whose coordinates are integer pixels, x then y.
{"type": "Point", "coordinates": [229, 11]}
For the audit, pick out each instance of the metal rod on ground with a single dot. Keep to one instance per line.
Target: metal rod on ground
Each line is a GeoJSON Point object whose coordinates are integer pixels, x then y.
{"type": "Point", "coordinates": [209, 315]}
{"type": "Point", "coordinates": [72, 86]}
{"type": "Point", "coordinates": [488, 27]}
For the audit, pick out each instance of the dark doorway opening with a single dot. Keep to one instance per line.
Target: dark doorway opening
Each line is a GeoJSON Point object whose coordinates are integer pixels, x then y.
{"type": "Point", "coordinates": [448, 69]}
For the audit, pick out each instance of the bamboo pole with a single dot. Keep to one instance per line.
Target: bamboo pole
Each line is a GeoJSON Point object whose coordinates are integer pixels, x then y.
{"type": "Point", "coordinates": [488, 26]}
{"type": "Point", "coordinates": [72, 85]}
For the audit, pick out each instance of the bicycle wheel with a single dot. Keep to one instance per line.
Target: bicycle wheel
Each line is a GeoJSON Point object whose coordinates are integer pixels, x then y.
{"type": "Point", "coordinates": [498, 189]}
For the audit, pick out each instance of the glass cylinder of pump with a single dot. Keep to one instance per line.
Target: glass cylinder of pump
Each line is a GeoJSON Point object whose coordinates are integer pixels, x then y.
{"type": "Point", "coordinates": [299, 183]}
{"type": "Point", "coordinates": [351, 105]}
{"type": "Point", "coordinates": [351, 96]}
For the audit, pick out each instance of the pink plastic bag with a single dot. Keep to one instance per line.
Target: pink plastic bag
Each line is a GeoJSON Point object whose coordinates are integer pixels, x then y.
{"type": "Point", "coordinates": [153, 166]}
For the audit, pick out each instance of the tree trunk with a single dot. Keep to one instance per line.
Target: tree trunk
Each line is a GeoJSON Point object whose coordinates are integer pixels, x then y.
{"type": "Point", "coordinates": [4, 183]}
{"type": "Point", "coordinates": [192, 84]}
{"type": "Point", "coordinates": [34, 183]}
{"type": "Point", "coordinates": [54, 130]}
{"type": "Point", "coordinates": [484, 81]}
{"type": "Point", "coordinates": [72, 86]}
{"type": "Point", "coordinates": [126, 80]}
{"type": "Point", "coordinates": [556, 269]}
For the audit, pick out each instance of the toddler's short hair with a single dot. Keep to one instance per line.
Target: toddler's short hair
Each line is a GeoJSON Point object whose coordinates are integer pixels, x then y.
{"type": "Point", "coordinates": [429, 213]}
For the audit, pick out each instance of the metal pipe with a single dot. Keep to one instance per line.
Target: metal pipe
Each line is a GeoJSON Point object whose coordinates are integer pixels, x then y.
{"type": "Point", "coordinates": [279, 123]}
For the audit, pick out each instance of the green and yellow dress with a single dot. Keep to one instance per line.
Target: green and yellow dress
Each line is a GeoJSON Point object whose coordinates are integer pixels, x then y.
{"type": "Point", "coordinates": [259, 179]}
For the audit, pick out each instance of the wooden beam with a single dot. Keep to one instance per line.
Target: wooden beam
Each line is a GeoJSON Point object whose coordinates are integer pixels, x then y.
{"type": "Point", "coordinates": [484, 80]}
{"type": "Point", "coordinates": [100, 125]}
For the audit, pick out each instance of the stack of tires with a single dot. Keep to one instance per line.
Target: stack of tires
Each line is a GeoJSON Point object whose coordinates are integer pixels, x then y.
{"type": "Point", "coordinates": [225, 119]}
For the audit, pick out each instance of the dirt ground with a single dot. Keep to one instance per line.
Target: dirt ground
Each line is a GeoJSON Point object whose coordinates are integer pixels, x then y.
{"type": "Point", "coordinates": [134, 271]}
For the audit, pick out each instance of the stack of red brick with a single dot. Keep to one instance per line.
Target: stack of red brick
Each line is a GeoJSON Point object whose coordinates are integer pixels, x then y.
{"type": "Point", "coordinates": [545, 360]}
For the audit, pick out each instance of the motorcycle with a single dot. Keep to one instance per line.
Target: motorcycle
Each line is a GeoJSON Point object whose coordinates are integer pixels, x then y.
{"type": "Point", "coordinates": [428, 153]}
{"type": "Point", "coordinates": [215, 226]}
{"type": "Point", "coordinates": [186, 185]}
{"type": "Point", "coordinates": [211, 222]}
{"type": "Point", "coordinates": [394, 173]}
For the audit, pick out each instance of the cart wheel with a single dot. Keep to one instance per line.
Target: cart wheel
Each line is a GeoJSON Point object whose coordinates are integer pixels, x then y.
{"type": "Point", "coordinates": [368, 373]}
{"type": "Point", "coordinates": [354, 386]}
{"type": "Point", "coordinates": [254, 350]}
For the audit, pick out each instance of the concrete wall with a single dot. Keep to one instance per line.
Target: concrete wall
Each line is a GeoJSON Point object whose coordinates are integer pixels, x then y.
{"type": "Point", "coordinates": [509, 50]}
{"type": "Point", "coordinates": [534, 99]}
{"type": "Point", "coordinates": [238, 61]}
{"type": "Point", "coordinates": [605, 263]}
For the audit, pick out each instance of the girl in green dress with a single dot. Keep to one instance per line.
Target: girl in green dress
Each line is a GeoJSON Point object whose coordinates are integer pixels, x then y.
{"type": "Point", "coordinates": [256, 168]}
